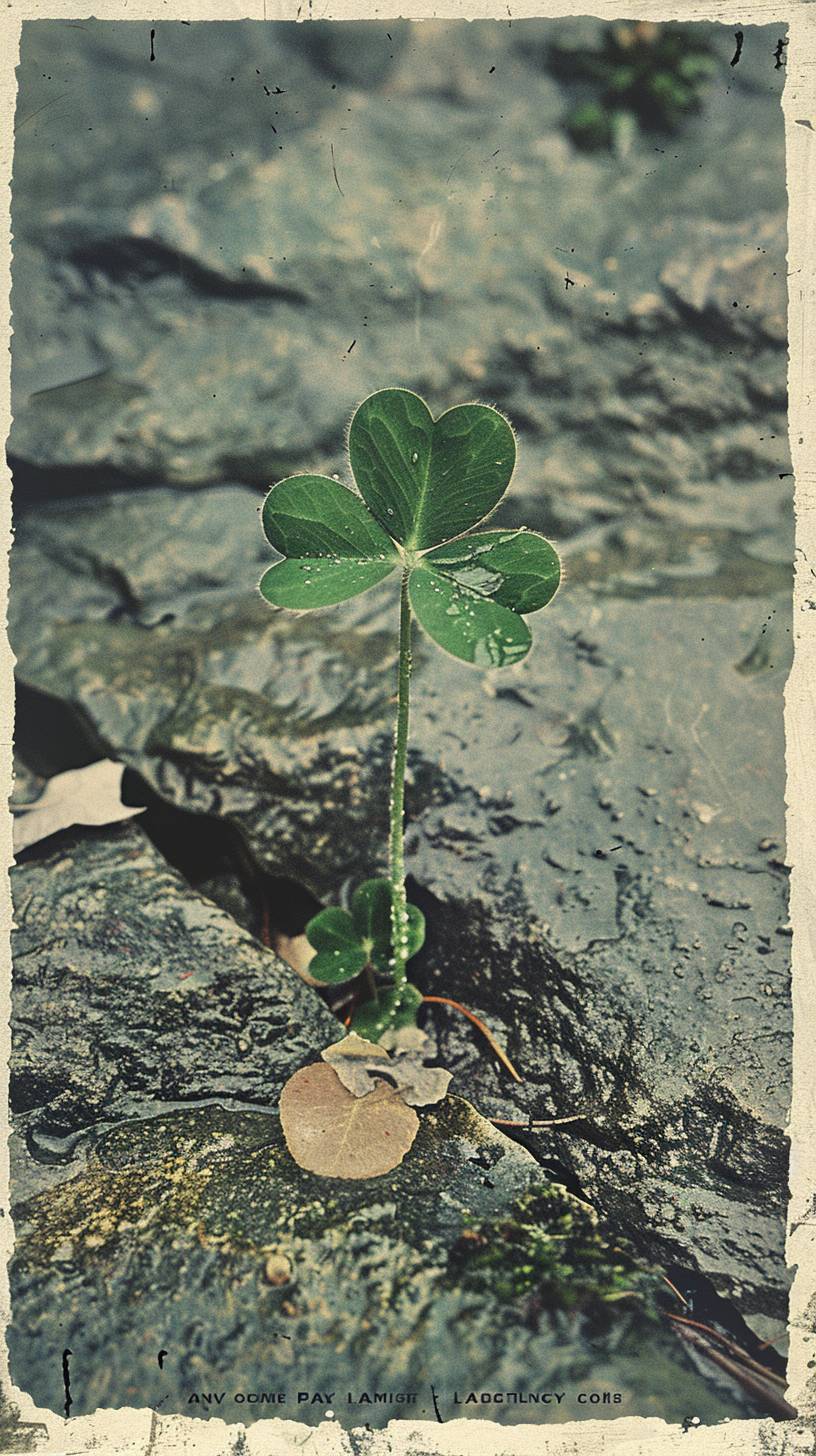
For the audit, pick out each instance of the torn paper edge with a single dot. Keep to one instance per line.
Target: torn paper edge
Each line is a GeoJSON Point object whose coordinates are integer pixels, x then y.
{"type": "Point", "coordinates": [144, 1432]}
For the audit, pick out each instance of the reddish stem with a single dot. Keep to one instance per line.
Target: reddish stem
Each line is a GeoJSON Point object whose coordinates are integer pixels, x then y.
{"type": "Point", "coordinates": [729, 1345]}
{"type": "Point", "coordinates": [739, 1368]}
{"type": "Point", "coordinates": [457, 1006]}
{"type": "Point", "coordinates": [675, 1290]}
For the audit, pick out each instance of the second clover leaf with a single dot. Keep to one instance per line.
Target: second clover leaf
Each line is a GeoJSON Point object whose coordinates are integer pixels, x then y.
{"type": "Point", "coordinates": [340, 954]}
{"type": "Point", "coordinates": [348, 942]}
{"type": "Point", "coordinates": [333, 545]}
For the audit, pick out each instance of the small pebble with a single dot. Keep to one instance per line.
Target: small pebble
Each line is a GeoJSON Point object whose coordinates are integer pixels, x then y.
{"type": "Point", "coordinates": [277, 1270]}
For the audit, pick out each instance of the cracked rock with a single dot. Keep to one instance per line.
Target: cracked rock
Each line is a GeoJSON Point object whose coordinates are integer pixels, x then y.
{"type": "Point", "coordinates": [197, 1222]}
{"type": "Point", "coordinates": [128, 987]}
{"type": "Point", "coordinates": [622, 943]}
{"type": "Point", "coordinates": [188, 316]}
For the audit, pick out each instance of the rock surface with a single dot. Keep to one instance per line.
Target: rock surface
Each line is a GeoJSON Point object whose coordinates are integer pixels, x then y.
{"type": "Point", "coordinates": [296, 216]}
{"type": "Point", "coordinates": [194, 1233]}
{"type": "Point", "coordinates": [156, 1205]}
{"type": "Point", "coordinates": [129, 989]}
{"type": "Point", "coordinates": [598, 880]}
{"type": "Point", "coordinates": [188, 315]}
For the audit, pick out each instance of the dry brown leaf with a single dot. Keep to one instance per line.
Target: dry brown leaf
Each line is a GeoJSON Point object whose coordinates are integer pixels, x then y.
{"type": "Point", "coordinates": [405, 1039]}
{"type": "Point", "coordinates": [356, 1048]}
{"type": "Point", "coordinates": [420, 1085]}
{"type": "Point", "coordinates": [361, 1064]}
{"type": "Point", "coordinates": [298, 953]}
{"type": "Point", "coordinates": [331, 1132]}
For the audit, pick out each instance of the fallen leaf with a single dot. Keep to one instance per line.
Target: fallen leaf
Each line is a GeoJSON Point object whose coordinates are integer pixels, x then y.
{"type": "Point", "coordinates": [404, 1039]}
{"type": "Point", "coordinates": [362, 1064]}
{"type": "Point", "coordinates": [357, 1062]}
{"type": "Point", "coordinates": [91, 795]}
{"type": "Point", "coordinates": [298, 953]}
{"type": "Point", "coordinates": [331, 1132]}
{"type": "Point", "coordinates": [420, 1084]}
{"type": "Point", "coordinates": [354, 1047]}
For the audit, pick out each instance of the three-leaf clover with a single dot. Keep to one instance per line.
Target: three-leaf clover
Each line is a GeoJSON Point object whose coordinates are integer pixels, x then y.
{"type": "Point", "coordinates": [422, 484]}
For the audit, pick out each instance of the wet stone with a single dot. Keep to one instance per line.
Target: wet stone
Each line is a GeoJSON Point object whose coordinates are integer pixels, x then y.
{"type": "Point", "coordinates": [166, 1237]}
{"type": "Point", "coordinates": [585, 830]}
{"type": "Point", "coordinates": [157, 1207]}
{"type": "Point", "coordinates": [188, 315]}
{"type": "Point", "coordinates": [131, 989]}
{"type": "Point", "coordinates": [580, 834]}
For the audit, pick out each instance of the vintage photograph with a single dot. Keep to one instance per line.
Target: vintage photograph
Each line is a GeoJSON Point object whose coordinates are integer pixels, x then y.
{"type": "Point", "coordinates": [401, 599]}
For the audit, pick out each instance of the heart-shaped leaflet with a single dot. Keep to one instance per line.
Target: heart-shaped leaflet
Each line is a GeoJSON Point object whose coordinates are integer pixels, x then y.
{"type": "Point", "coordinates": [422, 483]}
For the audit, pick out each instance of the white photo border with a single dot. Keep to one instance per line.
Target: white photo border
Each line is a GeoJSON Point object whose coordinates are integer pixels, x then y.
{"type": "Point", "coordinates": [130, 1432]}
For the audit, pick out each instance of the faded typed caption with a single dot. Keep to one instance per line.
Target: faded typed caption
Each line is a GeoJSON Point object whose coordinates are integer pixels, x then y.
{"type": "Point", "coordinates": [331, 1399]}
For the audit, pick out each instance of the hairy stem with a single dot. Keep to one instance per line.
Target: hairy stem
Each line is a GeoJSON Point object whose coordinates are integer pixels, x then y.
{"type": "Point", "coordinates": [396, 848]}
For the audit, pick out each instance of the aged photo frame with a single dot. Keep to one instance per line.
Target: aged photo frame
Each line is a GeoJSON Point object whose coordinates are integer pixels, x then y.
{"type": "Point", "coordinates": [527, 969]}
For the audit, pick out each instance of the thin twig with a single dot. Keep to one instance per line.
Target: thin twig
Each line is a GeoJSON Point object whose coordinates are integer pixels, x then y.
{"type": "Point", "coordinates": [675, 1290]}
{"type": "Point", "coordinates": [735, 1349]}
{"type": "Point", "coordinates": [537, 1122]}
{"type": "Point", "coordinates": [457, 1006]}
{"type": "Point", "coordinates": [765, 1392]}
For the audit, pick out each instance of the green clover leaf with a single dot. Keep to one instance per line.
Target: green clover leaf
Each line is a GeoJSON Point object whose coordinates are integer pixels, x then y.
{"type": "Point", "coordinates": [422, 484]}
{"type": "Point", "coordinates": [371, 911]}
{"type": "Point", "coordinates": [340, 954]}
{"type": "Point", "coordinates": [428, 480]}
{"type": "Point", "coordinates": [347, 942]}
{"type": "Point", "coordinates": [333, 545]}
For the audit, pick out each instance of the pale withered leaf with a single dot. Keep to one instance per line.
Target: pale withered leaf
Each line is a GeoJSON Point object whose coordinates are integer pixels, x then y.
{"type": "Point", "coordinates": [362, 1064]}
{"type": "Point", "coordinates": [91, 795]}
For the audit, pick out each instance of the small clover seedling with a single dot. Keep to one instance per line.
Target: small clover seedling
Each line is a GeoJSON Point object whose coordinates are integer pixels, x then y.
{"type": "Point", "coordinates": [422, 484]}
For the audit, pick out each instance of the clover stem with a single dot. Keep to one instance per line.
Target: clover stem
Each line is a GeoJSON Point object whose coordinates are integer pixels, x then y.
{"type": "Point", "coordinates": [396, 850]}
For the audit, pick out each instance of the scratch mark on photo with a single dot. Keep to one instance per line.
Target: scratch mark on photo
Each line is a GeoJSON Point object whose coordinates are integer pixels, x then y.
{"type": "Point", "coordinates": [334, 170]}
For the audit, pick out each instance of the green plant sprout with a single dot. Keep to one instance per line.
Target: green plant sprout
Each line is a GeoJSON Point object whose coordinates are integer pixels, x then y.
{"type": "Point", "coordinates": [423, 484]}
{"type": "Point", "coordinates": [646, 75]}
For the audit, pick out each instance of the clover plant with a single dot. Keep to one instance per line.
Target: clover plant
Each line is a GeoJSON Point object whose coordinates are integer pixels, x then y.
{"type": "Point", "coordinates": [423, 484]}
{"type": "Point", "coordinates": [646, 74]}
